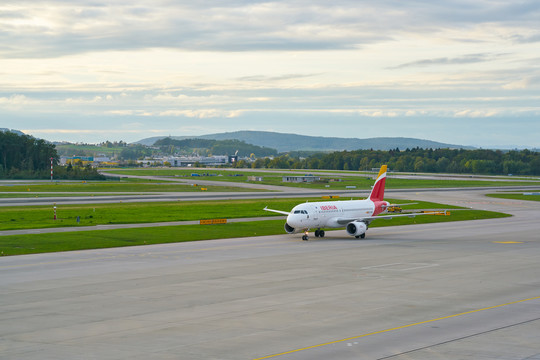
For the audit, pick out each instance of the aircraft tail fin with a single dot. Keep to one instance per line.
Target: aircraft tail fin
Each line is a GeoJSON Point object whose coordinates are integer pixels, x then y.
{"type": "Point", "coordinates": [377, 193]}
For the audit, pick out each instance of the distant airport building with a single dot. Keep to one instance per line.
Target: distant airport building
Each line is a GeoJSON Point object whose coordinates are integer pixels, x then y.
{"type": "Point", "coordinates": [301, 179]}
{"type": "Point", "coordinates": [101, 159]}
{"type": "Point", "coordinates": [203, 160]}
{"type": "Point", "coordinates": [87, 160]}
{"type": "Point", "coordinates": [150, 162]}
{"type": "Point", "coordinates": [82, 160]}
{"type": "Point", "coordinates": [233, 159]}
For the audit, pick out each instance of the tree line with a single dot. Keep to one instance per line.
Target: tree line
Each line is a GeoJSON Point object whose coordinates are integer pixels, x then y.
{"type": "Point", "coordinates": [489, 162]}
{"type": "Point", "coordinates": [25, 157]}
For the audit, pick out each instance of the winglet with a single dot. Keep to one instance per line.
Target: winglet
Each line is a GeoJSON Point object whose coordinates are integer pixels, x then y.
{"type": "Point", "coordinates": [377, 193]}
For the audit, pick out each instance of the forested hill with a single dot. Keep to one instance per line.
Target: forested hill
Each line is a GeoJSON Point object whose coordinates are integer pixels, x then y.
{"type": "Point", "coordinates": [18, 132]}
{"type": "Point", "coordinates": [492, 162]}
{"type": "Point", "coordinates": [213, 147]}
{"type": "Point", "coordinates": [293, 142]}
{"type": "Point", "coordinates": [25, 157]}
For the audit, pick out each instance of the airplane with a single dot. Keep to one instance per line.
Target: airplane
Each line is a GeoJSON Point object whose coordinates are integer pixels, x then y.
{"type": "Point", "coordinates": [354, 215]}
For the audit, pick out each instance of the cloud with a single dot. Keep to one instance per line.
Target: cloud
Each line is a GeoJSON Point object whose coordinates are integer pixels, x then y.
{"type": "Point", "coordinates": [189, 100]}
{"type": "Point", "coordinates": [94, 100]}
{"type": "Point", "coordinates": [57, 27]}
{"type": "Point", "coordinates": [186, 113]}
{"type": "Point", "coordinates": [527, 39]}
{"type": "Point", "coordinates": [104, 64]}
{"type": "Point", "coordinates": [16, 99]}
{"type": "Point", "coordinates": [130, 112]}
{"type": "Point", "coordinates": [465, 59]}
{"type": "Point", "coordinates": [518, 84]}
{"type": "Point", "coordinates": [470, 113]}
{"type": "Point", "coordinates": [202, 113]}
{"type": "Point", "coordinates": [263, 78]}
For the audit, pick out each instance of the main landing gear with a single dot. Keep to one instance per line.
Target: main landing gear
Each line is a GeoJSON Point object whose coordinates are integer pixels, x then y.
{"type": "Point", "coordinates": [361, 236]}
{"type": "Point", "coordinates": [318, 233]}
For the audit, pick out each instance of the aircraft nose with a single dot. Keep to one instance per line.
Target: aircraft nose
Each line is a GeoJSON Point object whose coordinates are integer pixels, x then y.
{"type": "Point", "coordinates": [292, 219]}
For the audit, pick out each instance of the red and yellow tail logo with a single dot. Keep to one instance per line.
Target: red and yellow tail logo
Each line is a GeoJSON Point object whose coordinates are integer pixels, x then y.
{"type": "Point", "coordinates": [377, 193]}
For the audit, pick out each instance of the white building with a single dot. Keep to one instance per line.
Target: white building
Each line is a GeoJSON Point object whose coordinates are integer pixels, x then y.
{"type": "Point", "coordinates": [300, 179]}
{"type": "Point", "coordinates": [203, 160]}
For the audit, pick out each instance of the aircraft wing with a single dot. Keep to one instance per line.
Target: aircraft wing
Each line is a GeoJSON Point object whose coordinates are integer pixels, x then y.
{"type": "Point", "coordinates": [411, 215]}
{"type": "Point", "coordinates": [344, 221]}
{"type": "Point", "coordinates": [277, 211]}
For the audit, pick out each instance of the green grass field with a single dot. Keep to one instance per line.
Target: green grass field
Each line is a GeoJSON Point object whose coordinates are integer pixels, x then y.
{"type": "Point", "coordinates": [60, 194]}
{"type": "Point", "coordinates": [114, 187]}
{"type": "Point", "coordinates": [98, 239]}
{"type": "Point", "coordinates": [516, 196]}
{"type": "Point", "coordinates": [36, 217]}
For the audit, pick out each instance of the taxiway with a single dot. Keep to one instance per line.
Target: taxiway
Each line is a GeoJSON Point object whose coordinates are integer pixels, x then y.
{"type": "Point", "coordinates": [461, 290]}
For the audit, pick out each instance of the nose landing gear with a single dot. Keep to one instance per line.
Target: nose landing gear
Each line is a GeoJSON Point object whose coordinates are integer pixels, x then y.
{"type": "Point", "coordinates": [318, 233]}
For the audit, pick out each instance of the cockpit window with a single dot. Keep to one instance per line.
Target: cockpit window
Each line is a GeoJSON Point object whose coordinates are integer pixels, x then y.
{"type": "Point", "coordinates": [297, 211]}
{"type": "Point", "coordinates": [300, 212]}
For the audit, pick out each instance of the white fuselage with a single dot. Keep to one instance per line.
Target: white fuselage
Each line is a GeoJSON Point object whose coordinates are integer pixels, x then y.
{"type": "Point", "coordinates": [326, 214]}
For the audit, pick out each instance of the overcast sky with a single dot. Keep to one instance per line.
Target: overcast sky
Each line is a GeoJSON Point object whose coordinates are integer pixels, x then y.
{"type": "Point", "coordinates": [456, 71]}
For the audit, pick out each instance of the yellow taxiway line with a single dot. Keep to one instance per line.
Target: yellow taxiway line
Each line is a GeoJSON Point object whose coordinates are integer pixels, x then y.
{"type": "Point", "coordinates": [396, 328]}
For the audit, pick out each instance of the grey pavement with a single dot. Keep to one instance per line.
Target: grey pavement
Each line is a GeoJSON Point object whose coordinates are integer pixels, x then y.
{"type": "Point", "coordinates": [199, 196]}
{"type": "Point", "coordinates": [203, 180]}
{"type": "Point", "coordinates": [461, 290]}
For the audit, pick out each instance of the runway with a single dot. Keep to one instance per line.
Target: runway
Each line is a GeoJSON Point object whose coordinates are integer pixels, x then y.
{"type": "Point", "coordinates": [462, 290]}
{"type": "Point", "coordinates": [286, 192]}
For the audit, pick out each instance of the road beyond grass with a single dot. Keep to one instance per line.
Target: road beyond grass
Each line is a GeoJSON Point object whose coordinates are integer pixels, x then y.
{"type": "Point", "coordinates": [520, 196]}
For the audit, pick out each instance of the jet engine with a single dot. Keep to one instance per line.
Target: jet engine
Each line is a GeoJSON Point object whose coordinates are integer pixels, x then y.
{"type": "Point", "coordinates": [356, 228]}
{"type": "Point", "coordinates": [289, 229]}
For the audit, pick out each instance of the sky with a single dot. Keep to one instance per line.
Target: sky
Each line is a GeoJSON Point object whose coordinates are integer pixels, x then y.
{"type": "Point", "coordinates": [455, 71]}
